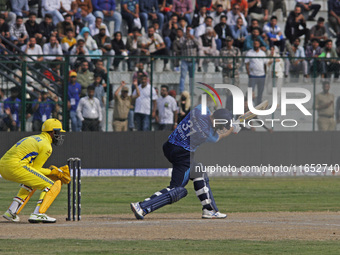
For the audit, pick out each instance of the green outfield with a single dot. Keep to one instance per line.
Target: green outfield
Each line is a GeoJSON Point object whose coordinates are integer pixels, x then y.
{"type": "Point", "coordinates": [112, 195]}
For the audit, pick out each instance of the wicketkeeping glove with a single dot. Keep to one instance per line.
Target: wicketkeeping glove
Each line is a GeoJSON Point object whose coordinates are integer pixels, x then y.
{"type": "Point", "coordinates": [62, 173]}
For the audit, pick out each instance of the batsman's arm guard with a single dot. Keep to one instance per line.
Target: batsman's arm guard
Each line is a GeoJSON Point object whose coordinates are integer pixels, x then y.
{"type": "Point", "coordinates": [171, 196]}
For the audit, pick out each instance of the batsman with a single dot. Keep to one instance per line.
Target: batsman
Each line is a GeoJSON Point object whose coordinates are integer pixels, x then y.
{"type": "Point", "coordinates": [195, 129]}
{"type": "Point", "coordinates": [24, 162]}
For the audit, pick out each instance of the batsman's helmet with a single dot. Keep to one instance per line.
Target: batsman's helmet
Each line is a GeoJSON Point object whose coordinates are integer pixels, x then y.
{"type": "Point", "coordinates": [225, 115]}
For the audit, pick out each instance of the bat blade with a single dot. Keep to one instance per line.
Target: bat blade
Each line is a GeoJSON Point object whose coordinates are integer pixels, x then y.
{"type": "Point", "coordinates": [248, 115]}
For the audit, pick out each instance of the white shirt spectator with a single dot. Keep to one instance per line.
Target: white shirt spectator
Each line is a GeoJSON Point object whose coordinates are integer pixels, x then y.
{"type": "Point", "coordinates": [152, 47]}
{"type": "Point", "coordinates": [166, 107]}
{"type": "Point", "coordinates": [35, 51]}
{"type": "Point", "coordinates": [231, 19]}
{"type": "Point", "coordinates": [89, 108]}
{"type": "Point", "coordinates": [49, 50]}
{"type": "Point", "coordinates": [66, 4]}
{"type": "Point", "coordinates": [50, 5]}
{"type": "Point", "coordinates": [256, 65]}
{"type": "Point", "coordinates": [95, 30]}
{"type": "Point", "coordinates": [143, 101]}
{"type": "Point", "coordinates": [304, 1]}
{"type": "Point", "coordinates": [200, 30]}
{"type": "Point", "coordinates": [216, 17]}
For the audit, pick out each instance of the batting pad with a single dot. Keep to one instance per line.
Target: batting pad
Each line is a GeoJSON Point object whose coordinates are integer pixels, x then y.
{"type": "Point", "coordinates": [50, 196]}
{"type": "Point", "coordinates": [26, 200]}
{"type": "Point", "coordinates": [169, 197]}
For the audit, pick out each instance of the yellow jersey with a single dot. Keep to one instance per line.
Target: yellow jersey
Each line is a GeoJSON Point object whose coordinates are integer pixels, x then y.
{"type": "Point", "coordinates": [30, 151]}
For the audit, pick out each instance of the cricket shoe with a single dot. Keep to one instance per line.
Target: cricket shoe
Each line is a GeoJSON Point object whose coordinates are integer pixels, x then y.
{"type": "Point", "coordinates": [9, 215]}
{"type": "Point", "coordinates": [41, 217]}
{"type": "Point", "coordinates": [137, 210]}
{"type": "Point", "coordinates": [212, 214]}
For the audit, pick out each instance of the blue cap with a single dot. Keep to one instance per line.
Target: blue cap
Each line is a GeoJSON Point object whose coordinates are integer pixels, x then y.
{"type": "Point", "coordinates": [223, 114]}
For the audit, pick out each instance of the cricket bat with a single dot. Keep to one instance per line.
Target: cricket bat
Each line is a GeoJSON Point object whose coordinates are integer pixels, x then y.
{"type": "Point", "coordinates": [248, 115]}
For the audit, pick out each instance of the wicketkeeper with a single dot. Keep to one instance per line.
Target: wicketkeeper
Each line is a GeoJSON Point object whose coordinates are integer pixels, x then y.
{"type": "Point", "coordinates": [195, 129]}
{"type": "Point", "coordinates": [23, 163]}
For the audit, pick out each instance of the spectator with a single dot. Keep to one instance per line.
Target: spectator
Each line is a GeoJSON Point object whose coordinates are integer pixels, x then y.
{"type": "Point", "coordinates": [132, 47]}
{"type": "Point", "coordinates": [154, 44]}
{"type": "Point", "coordinates": [182, 9]}
{"type": "Point", "coordinates": [216, 15]}
{"type": "Point", "coordinates": [78, 24]}
{"type": "Point", "coordinates": [222, 30]}
{"type": "Point", "coordinates": [319, 32]}
{"type": "Point", "coordinates": [239, 33]}
{"type": "Point", "coordinates": [94, 28]}
{"type": "Point", "coordinates": [90, 43]}
{"type": "Point", "coordinates": [294, 21]}
{"type": "Point", "coordinates": [12, 106]}
{"type": "Point", "coordinates": [203, 3]}
{"type": "Point", "coordinates": [184, 106]}
{"type": "Point", "coordinates": [106, 9]}
{"type": "Point", "coordinates": [74, 90]}
{"type": "Point", "coordinates": [53, 48]}
{"type": "Point", "coordinates": [99, 89]}
{"type": "Point", "coordinates": [32, 27]}
{"type": "Point", "coordinates": [149, 10]}
{"type": "Point", "coordinates": [84, 77]}
{"type": "Point", "coordinates": [331, 65]}
{"type": "Point", "coordinates": [200, 17]}
{"type": "Point", "coordinates": [189, 47]}
{"type": "Point", "coordinates": [68, 7]}
{"type": "Point", "coordinates": [43, 109]}
{"type": "Point", "coordinates": [243, 4]}
{"type": "Point", "coordinates": [274, 34]}
{"type": "Point", "coordinates": [53, 77]}
{"type": "Point", "coordinates": [258, 10]}
{"type": "Point", "coordinates": [297, 62]}
{"type": "Point", "coordinates": [119, 48]}
{"type": "Point", "coordinates": [5, 10]}
{"type": "Point", "coordinates": [306, 7]}
{"type": "Point", "coordinates": [312, 53]}
{"type": "Point", "coordinates": [334, 15]}
{"type": "Point", "coordinates": [274, 5]}
{"type": "Point", "coordinates": [102, 72]}
{"type": "Point", "coordinates": [20, 7]}
{"type": "Point", "coordinates": [169, 31]}
{"type": "Point", "coordinates": [254, 24]}
{"type": "Point", "coordinates": [65, 25]}
{"type": "Point", "coordinates": [52, 7]}
{"type": "Point", "coordinates": [324, 104]}
{"type": "Point", "coordinates": [165, 7]}
{"type": "Point", "coordinates": [4, 27]}
{"type": "Point", "coordinates": [230, 62]}
{"type": "Point", "coordinates": [176, 48]}
{"type": "Point", "coordinates": [104, 44]}
{"type": "Point", "coordinates": [32, 48]}
{"type": "Point", "coordinates": [255, 35]}
{"type": "Point", "coordinates": [143, 96]}
{"type": "Point", "coordinates": [166, 110]}
{"type": "Point", "coordinates": [121, 108]}
{"type": "Point", "coordinates": [68, 41]}
{"type": "Point", "coordinates": [89, 111]}
{"type": "Point", "coordinates": [130, 12]}
{"type": "Point", "coordinates": [275, 72]}
{"type": "Point", "coordinates": [256, 69]}
{"type": "Point", "coordinates": [182, 24]}
{"type": "Point", "coordinates": [18, 30]}
{"type": "Point", "coordinates": [207, 47]}
{"type": "Point", "coordinates": [47, 29]}
{"type": "Point", "coordinates": [201, 29]}
{"type": "Point", "coordinates": [226, 4]}
{"type": "Point", "coordinates": [234, 14]}
{"type": "Point", "coordinates": [86, 10]}
{"type": "Point", "coordinates": [138, 75]}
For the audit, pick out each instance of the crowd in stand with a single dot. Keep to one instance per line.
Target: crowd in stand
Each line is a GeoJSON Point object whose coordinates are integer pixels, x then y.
{"type": "Point", "coordinates": [225, 28]}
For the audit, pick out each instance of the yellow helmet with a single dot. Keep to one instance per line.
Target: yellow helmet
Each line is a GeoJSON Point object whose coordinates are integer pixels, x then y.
{"type": "Point", "coordinates": [52, 124]}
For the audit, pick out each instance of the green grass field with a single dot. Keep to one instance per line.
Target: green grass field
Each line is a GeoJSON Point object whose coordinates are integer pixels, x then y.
{"type": "Point", "coordinates": [112, 195]}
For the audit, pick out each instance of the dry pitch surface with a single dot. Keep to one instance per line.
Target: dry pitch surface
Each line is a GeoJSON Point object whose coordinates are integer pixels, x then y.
{"type": "Point", "coordinates": [244, 226]}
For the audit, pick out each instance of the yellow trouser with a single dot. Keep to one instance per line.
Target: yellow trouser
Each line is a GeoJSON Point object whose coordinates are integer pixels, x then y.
{"type": "Point", "coordinates": [28, 176]}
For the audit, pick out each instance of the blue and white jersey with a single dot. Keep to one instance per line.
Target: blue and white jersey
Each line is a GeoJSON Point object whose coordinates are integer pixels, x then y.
{"type": "Point", "coordinates": [194, 130]}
